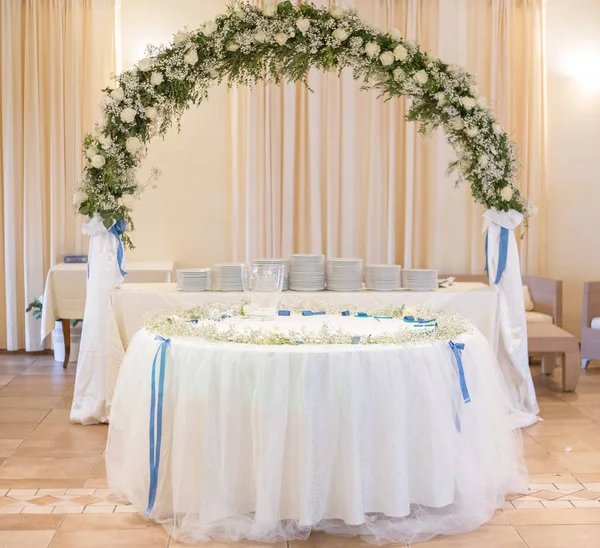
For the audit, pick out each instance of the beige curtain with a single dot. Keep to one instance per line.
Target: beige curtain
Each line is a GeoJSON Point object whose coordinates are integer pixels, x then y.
{"type": "Point", "coordinates": [339, 171]}
{"type": "Point", "coordinates": [56, 56]}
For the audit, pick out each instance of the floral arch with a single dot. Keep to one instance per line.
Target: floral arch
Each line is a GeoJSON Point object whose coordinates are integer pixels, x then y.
{"type": "Point", "coordinates": [282, 42]}
{"type": "Point", "coordinates": [279, 43]}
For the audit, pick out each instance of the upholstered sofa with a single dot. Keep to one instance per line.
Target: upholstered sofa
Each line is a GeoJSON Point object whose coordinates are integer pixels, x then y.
{"type": "Point", "coordinates": [543, 297]}
{"type": "Point", "coordinates": [590, 323]}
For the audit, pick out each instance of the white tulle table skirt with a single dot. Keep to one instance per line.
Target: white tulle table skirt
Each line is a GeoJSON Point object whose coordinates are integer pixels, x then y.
{"type": "Point", "coordinates": [269, 443]}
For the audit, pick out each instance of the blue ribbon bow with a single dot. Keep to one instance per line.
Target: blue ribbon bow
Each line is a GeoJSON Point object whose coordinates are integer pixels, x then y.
{"type": "Point", "coordinates": [156, 404]}
{"type": "Point", "coordinates": [457, 349]}
{"type": "Point", "coordinates": [117, 229]}
{"type": "Point", "coordinates": [502, 254]}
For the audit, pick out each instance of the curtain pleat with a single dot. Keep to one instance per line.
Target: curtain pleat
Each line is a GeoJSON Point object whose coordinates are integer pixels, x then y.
{"type": "Point", "coordinates": [56, 55]}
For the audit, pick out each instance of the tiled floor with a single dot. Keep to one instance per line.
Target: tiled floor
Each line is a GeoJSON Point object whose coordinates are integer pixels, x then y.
{"type": "Point", "coordinates": [53, 490]}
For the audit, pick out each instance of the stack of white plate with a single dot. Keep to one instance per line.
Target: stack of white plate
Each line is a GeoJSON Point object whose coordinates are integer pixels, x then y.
{"type": "Point", "coordinates": [286, 269]}
{"type": "Point", "coordinates": [228, 277]}
{"type": "Point", "coordinates": [383, 277]}
{"type": "Point", "coordinates": [307, 272]}
{"type": "Point", "coordinates": [419, 280]}
{"type": "Point", "coordinates": [194, 279]}
{"type": "Point", "coordinates": [344, 274]}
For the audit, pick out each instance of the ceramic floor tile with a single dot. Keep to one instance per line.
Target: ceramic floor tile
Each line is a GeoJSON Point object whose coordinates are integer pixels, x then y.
{"type": "Point", "coordinates": [25, 539]}
{"type": "Point", "coordinates": [9, 447]}
{"type": "Point", "coordinates": [29, 523]}
{"type": "Point", "coordinates": [556, 504]}
{"type": "Point", "coordinates": [99, 509]}
{"type": "Point", "coordinates": [27, 402]}
{"type": "Point", "coordinates": [490, 536]}
{"type": "Point", "coordinates": [68, 510]}
{"type": "Point", "coordinates": [561, 536]}
{"type": "Point", "coordinates": [23, 467]}
{"type": "Point", "coordinates": [37, 510]}
{"type": "Point", "coordinates": [14, 416]}
{"type": "Point", "coordinates": [586, 503]}
{"type": "Point", "coordinates": [155, 538]}
{"type": "Point", "coordinates": [91, 522]}
{"type": "Point", "coordinates": [544, 516]}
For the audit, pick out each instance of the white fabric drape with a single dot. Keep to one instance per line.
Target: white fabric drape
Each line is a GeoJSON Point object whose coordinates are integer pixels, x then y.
{"type": "Point", "coordinates": [100, 344]}
{"type": "Point", "coordinates": [340, 171]}
{"type": "Point", "coordinates": [56, 56]}
{"type": "Point", "coordinates": [512, 355]}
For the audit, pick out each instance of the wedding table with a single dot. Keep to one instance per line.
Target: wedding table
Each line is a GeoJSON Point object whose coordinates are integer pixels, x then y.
{"type": "Point", "coordinates": [271, 442]}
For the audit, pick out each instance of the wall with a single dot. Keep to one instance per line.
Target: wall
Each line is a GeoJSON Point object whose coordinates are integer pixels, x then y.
{"type": "Point", "coordinates": [573, 37]}
{"type": "Point", "coordinates": [192, 193]}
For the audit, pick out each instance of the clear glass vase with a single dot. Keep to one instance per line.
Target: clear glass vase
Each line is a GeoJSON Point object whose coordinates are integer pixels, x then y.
{"type": "Point", "coordinates": [263, 285]}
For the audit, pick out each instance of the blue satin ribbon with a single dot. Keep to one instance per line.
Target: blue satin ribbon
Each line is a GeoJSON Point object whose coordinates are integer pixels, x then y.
{"type": "Point", "coordinates": [457, 349]}
{"type": "Point", "coordinates": [313, 313]}
{"type": "Point", "coordinates": [117, 229]}
{"type": "Point", "coordinates": [502, 254]}
{"type": "Point", "coordinates": [156, 405]}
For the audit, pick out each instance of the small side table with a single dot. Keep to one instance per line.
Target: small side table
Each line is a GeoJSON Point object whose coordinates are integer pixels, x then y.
{"type": "Point", "coordinates": [550, 340]}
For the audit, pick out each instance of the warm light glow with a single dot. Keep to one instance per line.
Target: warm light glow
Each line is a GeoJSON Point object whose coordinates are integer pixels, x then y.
{"type": "Point", "coordinates": [584, 68]}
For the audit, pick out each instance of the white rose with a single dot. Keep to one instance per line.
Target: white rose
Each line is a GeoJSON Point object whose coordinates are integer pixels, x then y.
{"type": "Point", "coordinates": [481, 102]}
{"type": "Point", "coordinates": [191, 57]}
{"type": "Point", "coordinates": [156, 79]}
{"type": "Point", "coordinates": [270, 10]}
{"type": "Point", "coordinates": [372, 49]}
{"type": "Point", "coordinates": [432, 55]}
{"type": "Point", "coordinates": [441, 98]}
{"type": "Point", "coordinates": [453, 69]}
{"type": "Point", "coordinates": [507, 193]}
{"type": "Point", "coordinates": [303, 25]}
{"type": "Point", "coordinates": [105, 141]}
{"type": "Point", "coordinates": [497, 128]}
{"type": "Point", "coordinates": [472, 131]}
{"type": "Point", "coordinates": [98, 161]}
{"type": "Point", "coordinates": [474, 90]}
{"type": "Point", "coordinates": [399, 74]}
{"type": "Point", "coordinates": [91, 152]}
{"type": "Point", "coordinates": [151, 113]}
{"type": "Point", "coordinates": [260, 37]}
{"type": "Point", "coordinates": [133, 144]}
{"type": "Point", "coordinates": [117, 94]}
{"type": "Point", "coordinates": [232, 46]}
{"type": "Point", "coordinates": [483, 160]}
{"type": "Point", "coordinates": [240, 13]}
{"type": "Point", "coordinates": [340, 34]}
{"type": "Point", "coordinates": [146, 64]}
{"type": "Point", "coordinates": [337, 12]}
{"type": "Point", "coordinates": [400, 52]}
{"type": "Point", "coordinates": [128, 115]}
{"type": "Point", "coordinates": [214, 73]}
{"type": "Point", "coordinates": [281, 38]}
{"type": "Point", "coordinates": [387, 58]}
{"type": "Point", "coordinates": [209, 28]}
{"type": "Point", "coordinates": [395, 34]}
{"type": "Point", "coordinates": [457, 124]}
{"type": "Point", "coordinates": [467, 102]}
{"type": "Point", "coordinates": [180, 37]}
{"type": "Point", "coordinates": [421, 77]}
{"type": "Point", "coordinates": [410, 311]}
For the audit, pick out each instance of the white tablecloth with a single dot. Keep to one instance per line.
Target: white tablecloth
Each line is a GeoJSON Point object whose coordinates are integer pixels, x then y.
{"type": "Point", "coordinates": [65, 291]}
{"type": "Point", "coordinates": [475, 301]}
{"type": "Point", "coordinates": [269, 443]}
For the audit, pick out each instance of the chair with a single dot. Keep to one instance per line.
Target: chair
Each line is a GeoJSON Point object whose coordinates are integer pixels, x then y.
{"type": "Point", "coordinates": [545, 293]}
{"type": "Point", "coordinates": [590, 323]}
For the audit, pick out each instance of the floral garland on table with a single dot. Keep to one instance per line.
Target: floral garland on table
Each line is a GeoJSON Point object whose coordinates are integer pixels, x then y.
{"type": "Point", "coordinates": [445, 327]}
{"type": "Point", "coordinates": [282, 42]}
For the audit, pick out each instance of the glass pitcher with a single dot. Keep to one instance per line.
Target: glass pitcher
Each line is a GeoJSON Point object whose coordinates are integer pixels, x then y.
{"type": "Point", "coordinates": [263, 285]}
